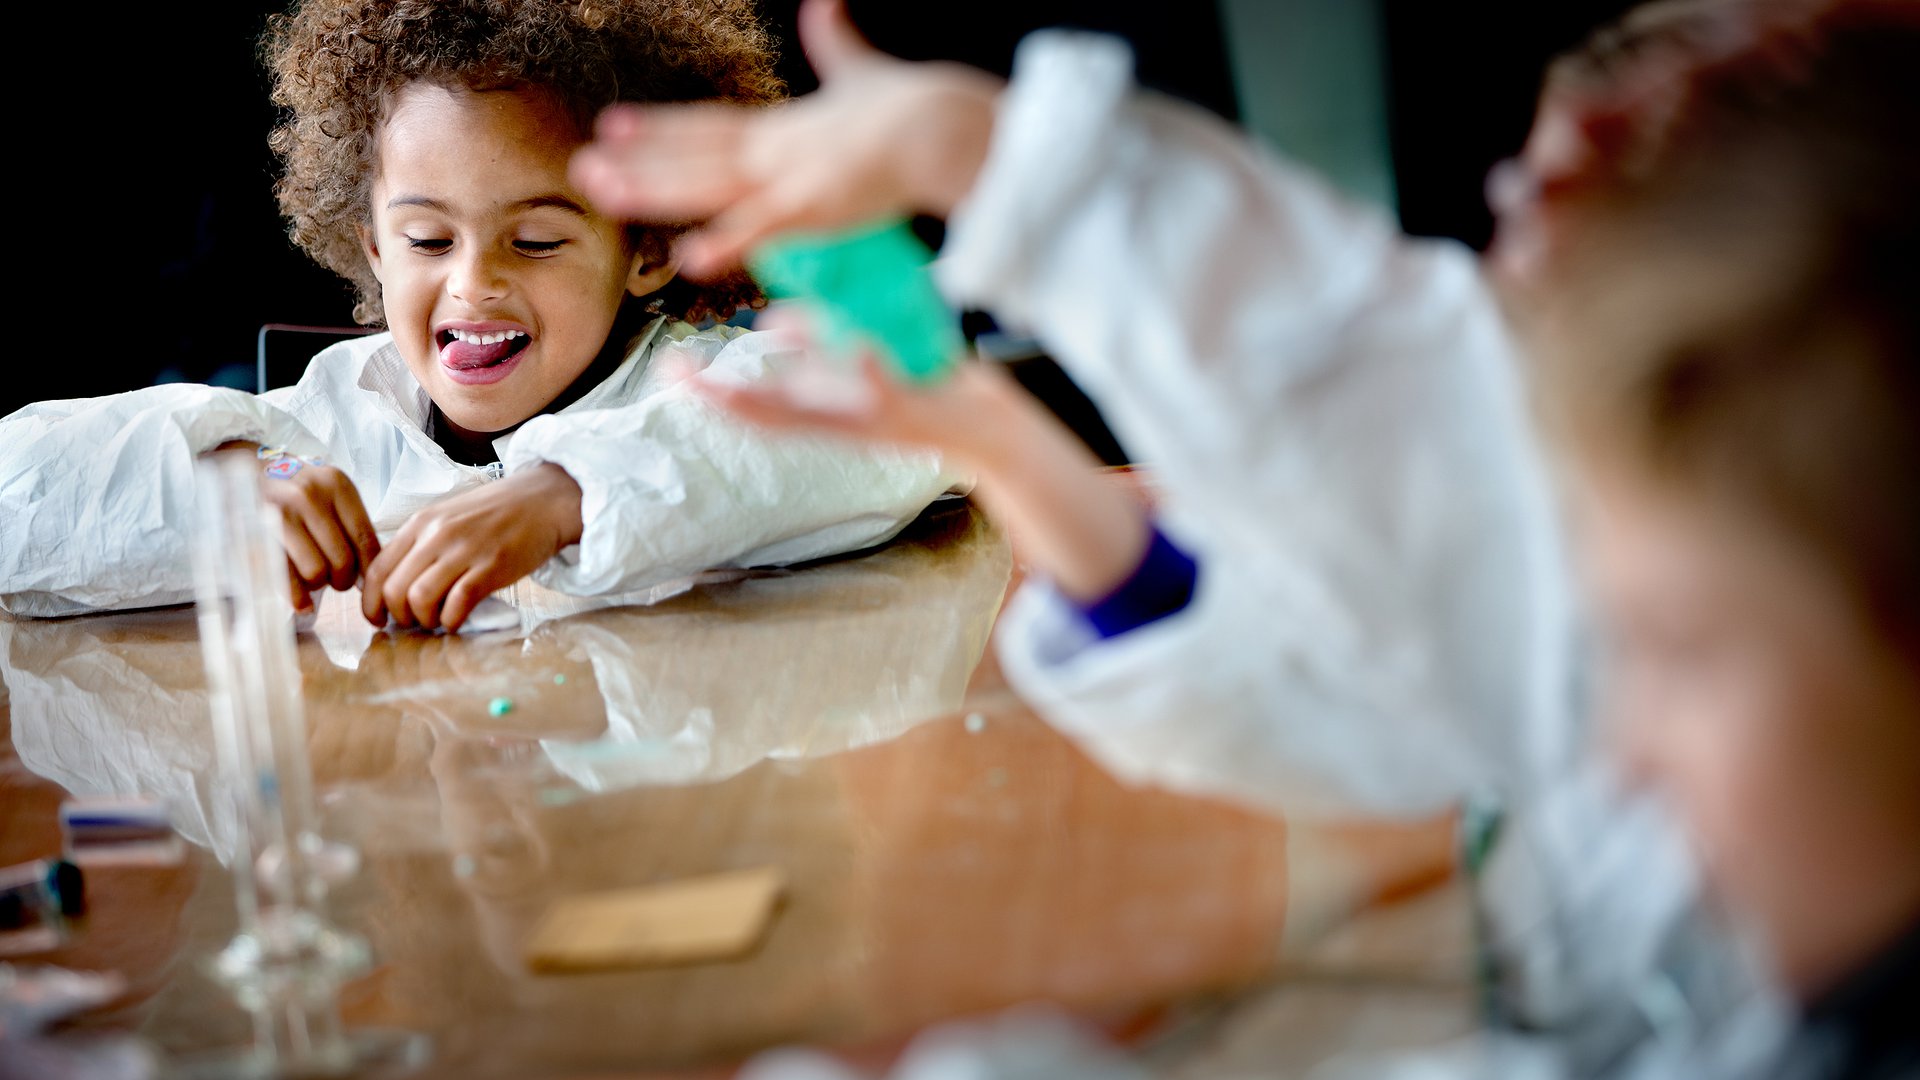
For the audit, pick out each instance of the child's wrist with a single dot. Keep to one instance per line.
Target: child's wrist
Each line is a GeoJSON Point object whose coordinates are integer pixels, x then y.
{"type": "Point", "coordinates": [560, 495]}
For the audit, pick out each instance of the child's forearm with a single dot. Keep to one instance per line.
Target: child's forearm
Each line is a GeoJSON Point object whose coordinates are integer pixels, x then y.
{"type": "Point", "coordinates": [1038, 479]}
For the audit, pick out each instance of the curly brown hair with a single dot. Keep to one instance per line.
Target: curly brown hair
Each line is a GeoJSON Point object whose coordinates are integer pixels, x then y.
{"type": "Point", "coordinates": [336, 63]}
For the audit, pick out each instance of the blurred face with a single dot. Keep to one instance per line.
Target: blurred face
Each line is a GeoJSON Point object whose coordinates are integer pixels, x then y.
{"type": "Point", "coordinates": [500, 285]}
{"type": "Point", "coordinates": [1746, 691]}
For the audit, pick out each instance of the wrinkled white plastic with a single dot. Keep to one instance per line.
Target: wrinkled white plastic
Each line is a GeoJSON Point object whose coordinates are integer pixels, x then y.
{"type": "Point", "coordinates": [95, 493]}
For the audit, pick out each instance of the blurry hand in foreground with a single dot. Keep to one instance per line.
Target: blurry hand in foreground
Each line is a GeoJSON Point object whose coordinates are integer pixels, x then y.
{"type": "Point", "coordinates": [1035, 476]}
{"type": "Point", "coordinates": [881, 137]}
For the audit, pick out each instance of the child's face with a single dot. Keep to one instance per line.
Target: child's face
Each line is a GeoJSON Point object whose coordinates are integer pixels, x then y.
{"type": "Point", "coordinates": [1748, 692]}
{"type": "Point", "coordinates": [500, 284]}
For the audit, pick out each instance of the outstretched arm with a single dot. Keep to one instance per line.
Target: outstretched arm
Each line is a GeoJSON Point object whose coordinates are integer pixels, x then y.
{"type": "Point", "coordinates": [1032, 474]}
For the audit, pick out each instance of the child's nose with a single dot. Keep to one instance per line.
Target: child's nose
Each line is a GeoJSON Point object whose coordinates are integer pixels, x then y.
{"type": "Point", "coordinates": [478, 276]}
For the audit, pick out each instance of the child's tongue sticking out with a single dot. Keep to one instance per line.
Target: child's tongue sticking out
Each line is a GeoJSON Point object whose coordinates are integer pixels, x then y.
{"type": "Point", "coordinates": [467, 350]}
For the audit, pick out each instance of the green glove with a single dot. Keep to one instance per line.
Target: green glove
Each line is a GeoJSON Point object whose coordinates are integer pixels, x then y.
{"type": "Point", "coordinates": [868, 287]}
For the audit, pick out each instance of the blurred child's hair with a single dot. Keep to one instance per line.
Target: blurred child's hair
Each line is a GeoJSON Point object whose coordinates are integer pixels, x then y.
{"type": "Point", "coordinates": [1718, 252]}
{"type": "Point", "coordinates": [335, 64]}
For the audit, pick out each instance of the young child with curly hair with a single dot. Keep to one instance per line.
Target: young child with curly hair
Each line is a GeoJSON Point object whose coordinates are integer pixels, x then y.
{"type": "Point", "coordinates": [1678, 598]}
{"type": "Point", "coordinates": [518, 413]}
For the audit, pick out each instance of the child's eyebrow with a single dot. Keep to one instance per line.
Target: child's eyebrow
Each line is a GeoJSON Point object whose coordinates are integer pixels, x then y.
{"type": "Point", "coordinates": [558, 201]}
{"type": "Point", "coordinates": [534, 202]}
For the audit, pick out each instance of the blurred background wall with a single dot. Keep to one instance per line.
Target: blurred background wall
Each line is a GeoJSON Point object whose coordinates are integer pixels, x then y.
{"type": "Point", "coordinates": [169, 253]}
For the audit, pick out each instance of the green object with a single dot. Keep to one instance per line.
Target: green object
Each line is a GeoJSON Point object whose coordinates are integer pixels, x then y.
{"type": "Point", "coordinates": [869, 287]}
{"type": "Point", "coordinates": [500, 706]}
{"type": "Point", "coordinates": [559, 680]}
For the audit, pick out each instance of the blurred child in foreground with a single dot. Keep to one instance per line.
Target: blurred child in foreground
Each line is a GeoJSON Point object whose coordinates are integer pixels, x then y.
{"type": "Point", "coordinates": [1362, 583]}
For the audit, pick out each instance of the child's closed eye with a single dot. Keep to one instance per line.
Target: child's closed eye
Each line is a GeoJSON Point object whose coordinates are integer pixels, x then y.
{"type": "Point", "coordinates": [439, 246]}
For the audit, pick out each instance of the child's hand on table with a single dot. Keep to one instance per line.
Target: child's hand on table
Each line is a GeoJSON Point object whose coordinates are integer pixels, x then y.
{"type": "Point", "coordinates": [451, 555]}
{"type": "Point", "coordinates": [326, 532]}
{"type": "Point", "coordinates": [882, 137]}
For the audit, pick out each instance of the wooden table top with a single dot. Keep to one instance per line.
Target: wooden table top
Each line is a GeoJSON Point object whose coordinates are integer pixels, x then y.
{"type": "Point", "coordinates": [945, 851]}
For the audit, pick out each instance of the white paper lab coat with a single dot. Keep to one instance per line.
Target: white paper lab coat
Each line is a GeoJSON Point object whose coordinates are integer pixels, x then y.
{"type": "Point", "coordinates": [1385, 618]}
{"type": "Point", "coordinates": [96, 494]}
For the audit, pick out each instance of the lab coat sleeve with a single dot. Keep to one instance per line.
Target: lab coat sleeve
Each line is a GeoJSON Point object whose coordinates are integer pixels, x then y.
{"type": "Point", "coordinates": [671, 486]}
{"type": "Point", "coordinates": [96, 494]}
{"type": "Point", "coordinates": [1323, 727]}
{"type": "Point", "coordinates": [1332, 413]}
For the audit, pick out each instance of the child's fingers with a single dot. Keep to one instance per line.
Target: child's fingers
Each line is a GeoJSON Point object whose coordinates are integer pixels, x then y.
{"type": "Point", "coordinates": [870, 404]}
{"type": "Point", "coordinates": [619, 123]}
{"type": "Point", "coordinates": [351, 513]}
{"type": "Point", "coordinates": [326, 531]}
{"type": "Point", "coordinates": [669, 129]}
{"type": "Point", "coordinates": [309, 563]}
{"type": "Point", "coordinates": [721, 245]}
{"type": "Point", "coordinates": [793, 321]}
{"type": "Point", "coordinates": [414, 585]}
{"type": "Point", "coordinates": [393, 598]}
{"type": "Point", "coordinates": [674, 186]}
{"type": "Point", "coordinates": [474, 586]}
{"type": "Point", "coordinates": [812, 393]}
{"type": "Point", "coordinates": [330, 538]}
{"type": "Point", "coordinates": [880, 382]}
{"type": "Point", "coordinates": [397, 582]}
{"type": "Point", "coordinates": [830, 40]}
{"type": "Point", "coordinates": [426, 592]}
{"type": "Point", "coordinates": [664, 163]}
{"type": "Point", "coordinates": [297, 590]}
{"type": "Point", "coordinates": [772, 408]}
{"type": "Point", "coordinates": [373, 585]}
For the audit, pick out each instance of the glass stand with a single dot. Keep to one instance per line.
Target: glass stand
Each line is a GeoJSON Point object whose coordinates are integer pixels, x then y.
{"type": "Point", "coordinates": [287, 963]}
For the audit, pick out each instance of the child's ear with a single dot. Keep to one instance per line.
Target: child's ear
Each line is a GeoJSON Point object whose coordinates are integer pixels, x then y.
{"type": "Point", "coordinates": [644, 278]}
{"type": "Point", "coordinates": [372, 249]}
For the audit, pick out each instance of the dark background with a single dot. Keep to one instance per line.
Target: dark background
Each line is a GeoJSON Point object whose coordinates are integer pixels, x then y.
{"type": "Point", "coordinates": [158, 202]}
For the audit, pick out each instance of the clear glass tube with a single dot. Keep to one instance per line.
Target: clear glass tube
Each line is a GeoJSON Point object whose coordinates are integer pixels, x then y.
{"type": "Point", "coordinates": [287, 962]}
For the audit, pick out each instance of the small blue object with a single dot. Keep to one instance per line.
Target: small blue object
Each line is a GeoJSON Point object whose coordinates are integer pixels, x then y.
{"type": "Point", "coordinates": [115, 816]}
{"type": "Point", "coordinates": [869, 287]}
{"type": "Point", "coordinates": [500, 706]}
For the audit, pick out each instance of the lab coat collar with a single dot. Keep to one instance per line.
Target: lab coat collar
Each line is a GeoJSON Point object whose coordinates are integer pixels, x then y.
{"type": "Point", "coordinates": [385, 377]}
